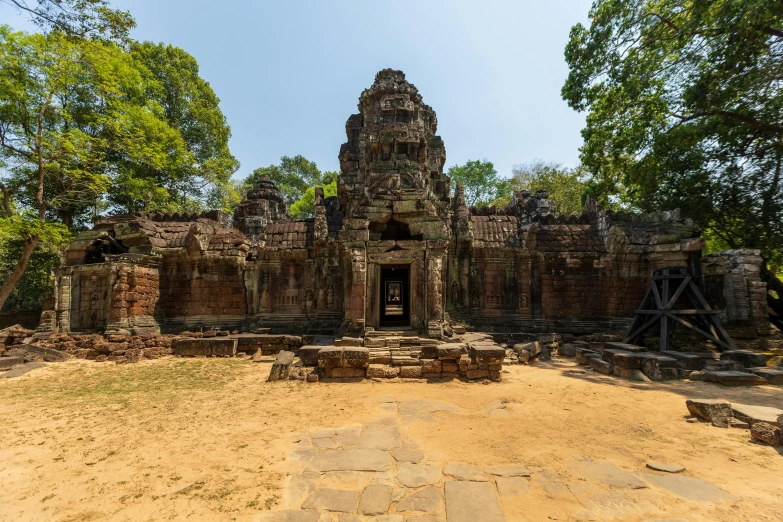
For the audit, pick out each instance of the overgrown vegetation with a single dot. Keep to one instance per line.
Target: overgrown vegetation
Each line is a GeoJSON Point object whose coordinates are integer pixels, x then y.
{"type": "Point", "coordinates": [685, 110]}
{"type": "Point", "coordinates": [92, 122]}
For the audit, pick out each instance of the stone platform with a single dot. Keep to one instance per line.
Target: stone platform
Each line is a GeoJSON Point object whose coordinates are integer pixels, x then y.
{"type": "Point", "coordinates": [388, 355]}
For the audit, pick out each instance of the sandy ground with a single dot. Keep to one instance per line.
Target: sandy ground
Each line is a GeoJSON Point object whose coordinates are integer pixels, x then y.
{"type": "Point", "coordinates": [209, 439]}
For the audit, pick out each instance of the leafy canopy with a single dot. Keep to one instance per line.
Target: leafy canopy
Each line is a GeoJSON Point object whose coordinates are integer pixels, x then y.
{"type": "Point", "coordinates": [685, 109]}
{"type": "Point", "coordinates": [565, 186]}
{"type": "Point", "coordinates": [293, 176]}
{"type": "Point", "coordinates": [481, 181]}
{"type": "Point", "coordinates": [83, 19]}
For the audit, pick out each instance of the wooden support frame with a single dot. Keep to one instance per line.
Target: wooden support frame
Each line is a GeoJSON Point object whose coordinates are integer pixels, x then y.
{"type": "Point", "coordinates": [659, 306]}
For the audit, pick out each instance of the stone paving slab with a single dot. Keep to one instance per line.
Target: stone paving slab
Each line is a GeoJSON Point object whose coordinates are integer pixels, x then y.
{"type": "Point", "coordinates": [427, 500]}
{"type": "Point", "coordinates": [376, 499]}
{"type": "Point", "coordinates": [21, 370]}
{"type": "Point", "coordinates": [472, 502]}
{"type": "Point", "coordinates": [753, 414]}
{"type": "Point", "coordinates": [513, 486]}
{"type": "Point", "coordinates": [688, 487]}
{"type": "Point", "coordinates": [606, 474]}
{"type": "Point", "coordinates": [508, 470]}
{"type": "Point", "coordinates": [379, 436]}
{"type": "Point", "coordinates": [350, 460]}
{"type": "Point", "coordinates": [332, 500]}
{"type": "Point", "coordinates": [417, 475]}
{"type": "Point", "coordinates": [773, 375]}
{"type": "Point", "coordinates": [603, 504]}
{"type": "Point", "coordinates": [463, 471]}
{"type": "Point", "coordinates": [287, 516]}
{"type": "Point", "coordinates": [552, 485]}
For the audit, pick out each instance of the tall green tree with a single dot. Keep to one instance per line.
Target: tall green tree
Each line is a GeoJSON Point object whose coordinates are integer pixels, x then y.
{"type": "Point", "coordinates": [71, 114]}
{"type": "Point", "coordinates": [482, 184]}
{"type": "Point", "coordinates": [189, 106]}
{"type": "Point", "coordinates": [293, 176]}
{"type": "Point", "coordinates": [566, 186]}
{"type": "Point", "coordinates": [685, 109]}
{"type": "Point", "coordinates": [83, 19]}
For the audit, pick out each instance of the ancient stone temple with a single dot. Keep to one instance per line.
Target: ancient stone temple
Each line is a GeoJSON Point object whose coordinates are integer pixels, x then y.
{"type": "Point", "coordinates": [396, 248]}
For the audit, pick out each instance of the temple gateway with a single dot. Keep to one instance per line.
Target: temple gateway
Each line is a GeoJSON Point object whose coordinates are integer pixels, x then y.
{"type": "Point", "coordinates": [395, 248]}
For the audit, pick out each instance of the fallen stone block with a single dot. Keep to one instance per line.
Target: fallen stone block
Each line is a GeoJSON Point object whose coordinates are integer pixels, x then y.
{"type": "Point", "coordinates": [659, 367]}
{"type": "Point", "coordinates": [628, 360]}
{"type": "Point", "coordinates": [487, 351]}
{"type": "Point", "coordinates": [773, 375]}
{"type": "Point", "coordinates": [41, 353]}
{"type": "Point", "coordinates": [533, 349]}
{"type": "Point", "coordinates": [607, 354]}
{"type": "Point", "coordinates": [723, 366]}
{"type": "Point", "coordinates": [766, 433]}
{"type": "Point", "coordinates": [691, 360]}
{"type": "Point", "coordinates": [10, 362]}
{"type": "Point", "coordinates": [382, 371]}
{"type": "Point", "coordinates": [477, 374]}
{"type": "Point", "coordinates": [347, 373]}
{"type": "Point", "coordinates": [748, 358]}
{"type": "Point", "coordinates": [209, 347]}
{"type": "Point", "coordinates": [624, 347]}
{"type": "Point", "coordinates": [753, 414]}
{"type": "Point", "coordinates": [708, 408]}
{"type": "Point", "coordinates": [733, 378]}
{"type": "Point", "coordinates": [451, 350]}
{"type": "Point", "coordinates": [281, 366]}
{"type": "Point", "coordinates": [567, 350]}
{"type": "Point", "coordinates": [330, 357]}
{"type": "Point", "coordinates": [410, 372]}
{"type": "Point", "coordinates": [21, 370]}
{"type": "Point", "coordinates": [600, 365]}
{"type": "Point", "coordinates": [309, 354]}
{"type": "Point", "coordinates": [582, 355]}
{"type": "Point", "coordinates": [356, 357]}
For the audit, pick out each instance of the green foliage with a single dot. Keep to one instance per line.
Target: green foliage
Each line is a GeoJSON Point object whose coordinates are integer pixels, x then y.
{"type": "Point", "coordinates": [199, 163]}
{"type": "Point", "coordinates": [293, 176]}
{"type": "Point", "coordinates": [87, 125]}
{"type": "Point", "coordinates": [304, 207]}
{"type": "Point", "coordinates": [565, 186]}
{"type": "Point", "coordinates": [481, 181]}
{"type": "Point", "coordinates": [36, 283]}
{"type": "Point", "coordinates": [85, 19]}
{"type": "Point", "coordinates": [685, 109]}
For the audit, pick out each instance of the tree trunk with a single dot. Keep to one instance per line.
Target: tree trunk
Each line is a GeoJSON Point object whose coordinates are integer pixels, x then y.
{"type": "Point", "coordinates": [16, 275]}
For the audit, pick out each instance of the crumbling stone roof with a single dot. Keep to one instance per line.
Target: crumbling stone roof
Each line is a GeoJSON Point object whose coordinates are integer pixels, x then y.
{"type": "Point", "coordinates": [290, 234]}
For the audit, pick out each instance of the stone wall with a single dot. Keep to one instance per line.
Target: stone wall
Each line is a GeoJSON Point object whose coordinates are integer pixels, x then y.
{"type": "Point", "coordinates": [733, 286]}
{"type": "Point", "coordinates": [520, 267]}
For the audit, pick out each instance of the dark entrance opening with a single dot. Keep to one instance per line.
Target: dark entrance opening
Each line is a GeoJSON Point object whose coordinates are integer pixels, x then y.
{"type": "Point", "coordinates": [395, 295]}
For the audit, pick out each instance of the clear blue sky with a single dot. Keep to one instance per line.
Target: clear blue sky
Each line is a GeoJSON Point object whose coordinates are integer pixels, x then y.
{"type": "Point", "coordinates": [289, 72]}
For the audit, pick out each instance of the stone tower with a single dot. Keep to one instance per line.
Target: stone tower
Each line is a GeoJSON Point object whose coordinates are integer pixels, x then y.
{"type": "Point", "coordinates": [262, 205]}
{"type": "Point", "coordinates": [393, 156]}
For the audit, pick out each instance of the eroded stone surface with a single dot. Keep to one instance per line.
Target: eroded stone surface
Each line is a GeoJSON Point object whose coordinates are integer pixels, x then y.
{"type": "Point", "coordinates": [350, 460]}
{"type": "Point", "coordinates": [417, 475]}
{"type": "Point", "coordinates": [508, 470]}
{"type": "Point", "coordinates": [512, 486]}
{"type": "Point", "coordinates": [668, 468]}
{"type": "Point", "coordinates": [375, 499]}
{"type": "Point", "coordinates": [462, 471]}
{"type": "Point", "coordinates": [687, 487]}
{"type": "Point", "coordinates": [427, 500]}
{"type": "Point", "coordinates": [606, 474]}
{"type": "Point", "coordinates": [332, 500]}
{"type": "Point", "coordinates": [472, 501]}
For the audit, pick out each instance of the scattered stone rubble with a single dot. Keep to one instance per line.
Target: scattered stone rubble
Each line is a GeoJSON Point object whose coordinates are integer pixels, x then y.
{"type": "Point", "coordinates": [765, 423]}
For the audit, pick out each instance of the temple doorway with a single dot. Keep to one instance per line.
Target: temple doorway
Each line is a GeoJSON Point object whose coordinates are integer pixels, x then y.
{"type": "Point", "coordinates": [395, 295]}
